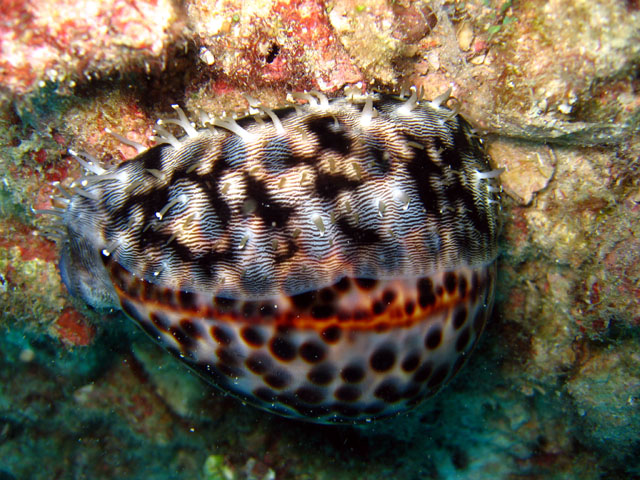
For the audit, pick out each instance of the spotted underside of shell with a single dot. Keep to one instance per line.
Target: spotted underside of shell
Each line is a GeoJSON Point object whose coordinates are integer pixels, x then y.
{"type": "Point", "coordinates": [332, 260]}
{"type": "Point", "coordinates": [352, 351]}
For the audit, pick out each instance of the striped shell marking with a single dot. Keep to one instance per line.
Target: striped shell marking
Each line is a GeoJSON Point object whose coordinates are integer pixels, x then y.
{"type": "Point", "coordinates": [332, 260]}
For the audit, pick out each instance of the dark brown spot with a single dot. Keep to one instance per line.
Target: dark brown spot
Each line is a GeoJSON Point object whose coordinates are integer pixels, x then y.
{"type": "Point", "coordinates": [422, 169]}
{"type": "Point", "coordinates": [304, 300]}
{"type": "Point", "coordinates": [343, 284]}
{"type": "Point", "coordinates": [130, 309]}
{"type": "Point", "coordinates": [462, 286]}
{"type": "Point", "coordinates": [221, 335]}
{"type": "Point", "coordinates": [411, 361]}
{"type": "Point", "coordinates": [228, 357]}
{"type": "Point", "coordinates": [258, 363]}
{"type": "Point", "coordinates": [411, 391]}
{"type": "Point", "coordinates": [278, 378]}
{"type": "Point", "coordinates": [412, 402]}
{"type": "Point", "coordinates": [426, 297]}
{"type": "Point", "coordinates": [229, 371]}
{"type": "Point", "coordinates": [438, 376]}
{"type": "Point", "coordinates": [265, 394]}
{"type": "Point", "coordinates": [388, 297]}
{"type": "Point", "coordinates": [463, 340]}
{"type": "Point", "coordinates": [282, 348]}
{"type": "Point", "coordinates": [450, 282]}
{"type": "Point", "coordinates": [312, 352]}
{"type": "Point", "coordinates": [152, 331]}
{"type": "Point", "coordinates": [383, 359]}
{"type": "Point", "coordinates": [331, 334]}
{"type": "Point", "coordinates": [352, 373]}
{"type": "Point", "coordinates": [409, 307]}
{"type": "Point", "coordinates": [182, 338]}
{"type": "Point", "coordinates": [133, 289]}
{"type": "Point", "coordinates": [159, 320]}
{"type": "Point", "coordinates": [423, 373]}
{"type": "Point", "coordinates": [166, 296]}
{"type": "Point", "coordinates": [171, 349]}
{"type": "Point", "coordinates": [322, 311]}
{"type": "Point", "coordinates": [388, 391]}
{"type": "Point", "coordinates": [249, 309]}
{"type": "Point", "coordinates": [152, 292]}
{"type": "Point", "coordinates": [326, 295]}
{"type": "Point", "coordinates": [149, 291]}
{"type": "Point", "coordinates": [329, 186]}
{"type": "Point", "coordinates": [190, 328]}
{"type": "Point", "coordinates": [348, 393]}
{"type": "Point", "coordinates": [142, 291]}
{"type": "Point", "coordinates": [329, 135]}
{"type": "Point", "coordinates": [473, 292]}
{"type": "Point", "coordinates": [187, 300]}
{"type": "Point", "coordinates": [267, 207]}
{"type": "Point", "coordinates": [366, 284]}
{"type": "Point", "coordinates": [252, 336]}
{"type": "Point", "coordinates": [310, 394]}
{"type": "Point", "coordinates": [266, 310]}
{"type": "Point", "coordinates": [374, 408]}
{"type": "Point", "coordinates": [433, 338]}
{"type": "Point", "coordinates": [322, 374]}
{"type": "Point", "coordinates": [224, 304]}
{"type": "Point", "coordinates": [357, 234]}
{"type": "Point", "coordinates": [459, 318]}
{"type": "Point", "coordinates": [378, 308]}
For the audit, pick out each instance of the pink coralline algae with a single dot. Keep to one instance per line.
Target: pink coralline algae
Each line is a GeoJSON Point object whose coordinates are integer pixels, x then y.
{"type": "Point", "coordinates": [59, 41]}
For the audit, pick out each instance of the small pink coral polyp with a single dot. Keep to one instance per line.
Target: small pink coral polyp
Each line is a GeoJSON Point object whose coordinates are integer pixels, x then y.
{"type": "Point", "coordinates": [332, 260]}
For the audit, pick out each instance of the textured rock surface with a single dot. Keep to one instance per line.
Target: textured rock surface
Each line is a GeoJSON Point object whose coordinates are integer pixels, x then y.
{"type": "Point", "coordinates": [553, 389]}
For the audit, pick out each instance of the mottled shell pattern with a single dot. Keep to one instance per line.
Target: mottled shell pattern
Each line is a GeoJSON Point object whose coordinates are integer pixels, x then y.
{"type": "Point", "coordinates": [333, 260]}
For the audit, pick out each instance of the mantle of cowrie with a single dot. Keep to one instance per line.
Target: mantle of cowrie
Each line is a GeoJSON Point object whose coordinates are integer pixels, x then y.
{"type": "Point", "coordinates": [331, 260]}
